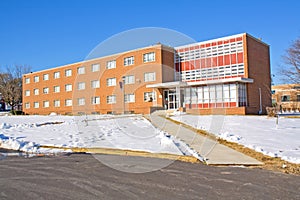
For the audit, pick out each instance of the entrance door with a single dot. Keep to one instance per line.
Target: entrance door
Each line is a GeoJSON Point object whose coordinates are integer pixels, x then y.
{"type": "Point", "coordinates": [171, 99]}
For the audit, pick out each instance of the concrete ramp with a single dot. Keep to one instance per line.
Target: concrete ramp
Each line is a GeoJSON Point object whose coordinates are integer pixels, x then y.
{"type": "Point", "coordinates": [213, 152]}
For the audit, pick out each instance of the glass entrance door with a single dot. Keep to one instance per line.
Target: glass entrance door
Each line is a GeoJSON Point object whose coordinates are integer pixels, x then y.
{"type": "Point", "coordinates": [171, 99]}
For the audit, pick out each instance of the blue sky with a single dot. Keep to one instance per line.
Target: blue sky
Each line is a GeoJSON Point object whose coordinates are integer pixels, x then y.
{"type": "Point", "coordinates": [50, 33]}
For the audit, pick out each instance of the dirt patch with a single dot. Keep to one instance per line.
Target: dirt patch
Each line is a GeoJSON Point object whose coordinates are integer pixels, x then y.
{"type": "Point", "coordinates": [270, 163]}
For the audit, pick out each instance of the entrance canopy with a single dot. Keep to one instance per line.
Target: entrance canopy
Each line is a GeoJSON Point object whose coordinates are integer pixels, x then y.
{"type": "Point", "coordinates": [195, 83]}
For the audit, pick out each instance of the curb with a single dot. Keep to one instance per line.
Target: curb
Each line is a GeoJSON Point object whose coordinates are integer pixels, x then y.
{"type": "Point", "coordinates": [124, 152]}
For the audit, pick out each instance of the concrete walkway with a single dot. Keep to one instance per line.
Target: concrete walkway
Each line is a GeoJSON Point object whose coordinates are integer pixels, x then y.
{"type": "Point", "coordinates": [213, 152]}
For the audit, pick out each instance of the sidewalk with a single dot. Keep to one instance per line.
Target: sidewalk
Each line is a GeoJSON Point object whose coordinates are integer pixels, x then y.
{"type": "Point", "coordinates": [212, 152]}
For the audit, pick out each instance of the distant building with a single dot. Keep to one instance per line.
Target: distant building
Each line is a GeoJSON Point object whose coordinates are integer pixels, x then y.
{"type": "Point", "coordinates": [229, 74]}
{"type": "Point", "coordinates": [287, 95]}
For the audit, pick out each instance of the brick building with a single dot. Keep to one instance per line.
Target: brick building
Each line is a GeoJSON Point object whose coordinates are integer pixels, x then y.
{"type": "Point", "coordinates": [229, 74]}
{"type": "Point", "coordinates": [287, 95]}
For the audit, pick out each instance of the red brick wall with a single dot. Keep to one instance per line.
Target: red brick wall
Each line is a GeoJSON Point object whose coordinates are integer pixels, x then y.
{"type": "Point", "coordinates": [257, 66]}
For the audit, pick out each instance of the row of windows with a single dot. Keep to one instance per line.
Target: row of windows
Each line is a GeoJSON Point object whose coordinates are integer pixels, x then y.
{"type": "Point", "coordinates": [209, 51]}
{"type": "Point", "coordinates": [213, 72]}
{"type": "Point", "coordinates": [216, 94]}
{"type": "Point", "coordinates": [148, 57]}
{"type": "Point", "coordinates": [111, 99]}
{"type": "Point", "coordinates": [130, 79]}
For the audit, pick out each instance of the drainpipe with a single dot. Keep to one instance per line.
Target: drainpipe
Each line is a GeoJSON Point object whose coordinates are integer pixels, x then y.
{"type": "Point", "coordinates": [260, 103]}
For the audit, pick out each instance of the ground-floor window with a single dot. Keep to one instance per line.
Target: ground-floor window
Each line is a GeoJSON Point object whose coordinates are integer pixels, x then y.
{"type": "Point", "coordinates": [211, 96]}
{"type": "Point", "coordinates": [149, 96]}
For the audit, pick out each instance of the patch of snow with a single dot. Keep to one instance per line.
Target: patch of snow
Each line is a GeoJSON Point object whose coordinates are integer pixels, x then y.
{"type": "Point", "coordinates": [259, 133]}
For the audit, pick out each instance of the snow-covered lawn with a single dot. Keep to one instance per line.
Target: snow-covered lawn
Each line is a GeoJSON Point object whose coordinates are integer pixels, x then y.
{"type": "Point", "coordinates": [28, 133]}
{"type": "Point", "coordinates": [256, 132]}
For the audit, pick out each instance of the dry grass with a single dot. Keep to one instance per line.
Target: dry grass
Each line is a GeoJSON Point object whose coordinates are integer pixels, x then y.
{"type": "Point", "coordinates": [270, 163]}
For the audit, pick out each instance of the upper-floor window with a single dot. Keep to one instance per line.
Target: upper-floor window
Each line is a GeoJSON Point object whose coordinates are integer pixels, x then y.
{"type": "Point", "coordinates": [95, 84]}
{"type": "Point", "coordinates": [36, 91]}
{"type": "Point", "coordinates": [298, 97]}
{"type": "Point", "coordinates": [111, 82]}
{"type": "Point", "coordinates": [129, 79]}
{"type": "Point", "coordinates": [68, 87]}
{"type": "Point", "coordinates": [81, 86]}
{"type": "Point", "coordinates": [148, 57]}
{"type": "Point", "coordinates": [45, 77]}
{"type": "Point", "coordinates": [27, 80]}
{"type": "Point", "coordinates": [81, 70]}
{"type": "Point", "coordinates": [27, 93]}
{"type": "Point", "coordinates": [285, 98]}
{"type": "Point", "coordinates": [56, 75]}
{"type": "Point", "coordinates": [56, 89]}
{"type": "Point", "coordinates": [36, 79]}
{"type": "Point", "coordinates": [68, 72]}
{"type": "Point", "coordinates": [111, 64]}
{"type": "Point", "coordinates": [149, 76]}
{"type": "Point", "coordinates": [46, 90]}
{"type": "Point", "coordinates": [129, 61]}
{"type": "Point", "coordinates": [95, 100]}
{"type": "Point", "coordinates": [95, 67]}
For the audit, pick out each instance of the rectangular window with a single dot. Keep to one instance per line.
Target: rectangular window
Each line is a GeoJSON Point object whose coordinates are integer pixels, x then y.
{"type": "Point", "coordinates": [36, 79]}
{"type": "Point", "coordinates": [128, 61]}
{"type": "Point", "coordinates": [95, 84]}
{"type": "Point", "coordinates": [68, 102]}
{"type": "Point", "coordinates": [68, 87]}
{"type": "Point", "coordinates": [81, 101]}
{"type": "Point", "coordinates": [111, 99]}
{"type": "Point", "coordinates": [27, 93]}
{"type": "Point", "coordinates": [111, 64]}
{"type": "Point", "coordinates": [149, 96]}
{"type": "Point", "coordinates": [56, 103]}
{"type": "Point", "coordinates": [285, 98]}
{"type": "Point", "coordinates": [81, 70]}
{"type": "Point", "coordinates": [129, 79]}
{"type": "Point", "coordinates": [111, 82]}
{"type": "Point", "coordinates": [27, 80]}
{"type": "Point", "coordinates": [46, 77]}
{"type": "Point", "coordinates": [150, 76]}
{"type": "Point", "coordinates": [129, 98]}
{"type": "Point", "coordinates": [56, 75]}
{"type": "Point", "coordinates": [56, 89]}
{"type": "Point", "coordinates": [95, 67]}
{"type": "Point", "coordinates": [81, 86]}
{"type": "Point", "coordinates": [27, 105]}
{"type": "Point", "coordinates": [36, 91]}
{"type": "Point", "coordinates": [95, 100]}
{"type": "Point", "coordinates": [46, 104]}
{"type": "Point", "coordinates": [298, 97]}
{"type": "Point", "coordinates": [36, 104]}
{"type": "Point", "coordinates": [46, 90]}
{"type": "Point", "coordinates": [68, 72]}
{"type": "Point", "coordinates": [149, 57]}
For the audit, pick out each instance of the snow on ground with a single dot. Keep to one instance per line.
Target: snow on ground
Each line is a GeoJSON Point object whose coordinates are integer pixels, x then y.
{"type": "Point", "coordinates": [256, 132]}
{"type": "Point", "coordinates": [28, 133]}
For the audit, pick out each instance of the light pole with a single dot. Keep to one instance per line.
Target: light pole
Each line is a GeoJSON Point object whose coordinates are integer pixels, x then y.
{"type": "Point", "coordinates": [123, 81]}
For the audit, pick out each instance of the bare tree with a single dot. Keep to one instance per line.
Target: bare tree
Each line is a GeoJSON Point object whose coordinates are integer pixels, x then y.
{"type": "Point", "coordinates": [291, 73]}
{"type": "Point", "coordinates": [11, 84]}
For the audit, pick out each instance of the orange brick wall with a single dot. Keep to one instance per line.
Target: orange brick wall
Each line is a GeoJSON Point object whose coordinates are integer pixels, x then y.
{"type": "Point", "coordinates": [138, 88]}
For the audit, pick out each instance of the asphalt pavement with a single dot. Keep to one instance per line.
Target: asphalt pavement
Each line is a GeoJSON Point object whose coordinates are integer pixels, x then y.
{"type": "Point", "coordinates": [83, 176]}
